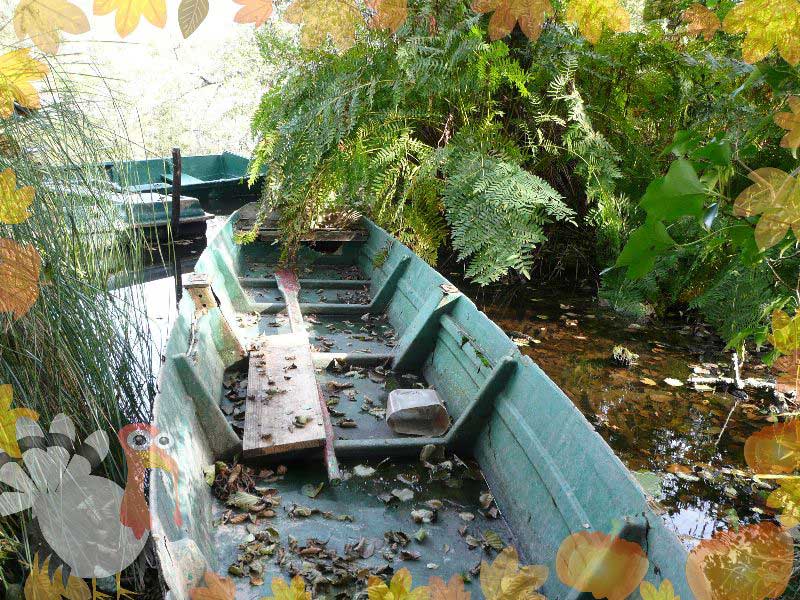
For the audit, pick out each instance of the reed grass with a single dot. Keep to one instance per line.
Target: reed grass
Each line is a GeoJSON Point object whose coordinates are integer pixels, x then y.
{"type": "Point", "coordinates": [82, 349]}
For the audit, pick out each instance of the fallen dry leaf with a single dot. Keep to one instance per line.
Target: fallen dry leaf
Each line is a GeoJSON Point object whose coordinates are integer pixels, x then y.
{"type": "Point", "coordinates": [593, 16]}
{"type": "Point", "coordinates": [530, 14]}
{"type": "Point", "coordinates": [753, 562]}
{"type": "Point", "coordinates": [253, 11]}
{"type": "Point", "coordinates": [216, 588]}
{"type": "Point", "coordinates": [775, 196]}
{"type": "Point", "coordinates": [19, 277]}
{"type": "Point", "coordinates": [17, 72]}
{"type": "Point", "coordinates": [130, 12]}
{"type": "Point", "coordinates": [605, 565]}
{"type": "Point", "coordinates": [701, 21]}
{"type": "Point", "coordinates": [791, 122]}
{"type": "Point", "coordinates": [14, 202]}
{"type": "Point", "coordinates": [504, 579]}
{"type": "Point", "coordinates": [44, 20]}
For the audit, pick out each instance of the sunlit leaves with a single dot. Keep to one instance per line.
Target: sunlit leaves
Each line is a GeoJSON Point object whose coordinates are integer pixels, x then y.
{"type": "Point", "coordinates": [253, 11]}
{"type": "Point", "coordinates": [505, 579]}
{"type": "Point", "coordinates": [19, 277]}
{"type": "Point", "coordinates": [775, 196]}
{"type": "Point", "coordinates": [452, 590]}
{"type": "Point", "coordinates": [44, 20]}
{"type": "Point", "coordinates": [14, 202]}
{"type": "Point", "coordinates": [530, 14]}
{"type": "Point", "coordinates": [679, 193]}
{"type": "Point", "coordinates": [774, 449]}
{"type": "Point", "coordinates": [41, 586]}
{"type": "Point", "coordinates": [593, 16]}
{"type": "Point", "coordinates": [754, 562]}
{"type": "Point", "coordinates": [399, 588]}
{"type": "Point", "coordinates": [18, 71]}
{"type": "Point", "coordinates": [191, 13]}
{"type": "Point", "coordinates": [767, 24]}
{"type": "Point", "coordinates": [8, 421]}
{"type": "Point", "coordinates": [319, 19]}
{"type": "Point", "coordinates": [130, 12]}
{"type": "Point", "coordinates": [791, 122]}
{"type": "Point", "coordinates": [701, 21]}
{"type": "Point", "coordinates": [644, 245]}
{"type": "Point", "coordinates": [387, 14]}
{"type": "Point", "coordinates": [296, 590]}
{"type": "Point", "coordinates": [605, 565]}
{"type": "Point", "coordinates": [664, 592]}
{"type": "Point", "coordinates": [216, 588]}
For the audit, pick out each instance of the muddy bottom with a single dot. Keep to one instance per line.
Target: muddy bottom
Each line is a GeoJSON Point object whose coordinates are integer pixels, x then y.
{"type": "Point", "coordinates": [683, 441]}
{"type": "Point", "coordinates": [435, 519]}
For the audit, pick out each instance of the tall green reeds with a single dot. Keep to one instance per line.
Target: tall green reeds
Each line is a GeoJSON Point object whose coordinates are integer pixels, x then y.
{"type": "Point", "coordinates": [81, 349]}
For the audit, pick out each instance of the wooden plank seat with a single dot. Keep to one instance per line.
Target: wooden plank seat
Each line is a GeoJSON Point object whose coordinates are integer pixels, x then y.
{"type": "Point", "coordinates": [283, 412]}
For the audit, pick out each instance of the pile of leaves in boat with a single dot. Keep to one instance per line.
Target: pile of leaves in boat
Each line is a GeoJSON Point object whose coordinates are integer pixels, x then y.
{"type": "Point", "coordinates": [252, 501]}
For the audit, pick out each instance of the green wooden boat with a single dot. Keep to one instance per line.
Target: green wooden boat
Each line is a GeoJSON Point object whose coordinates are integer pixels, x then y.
{"type": "Point", "coordinates": [363, 315]}
{"type": "Point", "coordinates": [206, 177]}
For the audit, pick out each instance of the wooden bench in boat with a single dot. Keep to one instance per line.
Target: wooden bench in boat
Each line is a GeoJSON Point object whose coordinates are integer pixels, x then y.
{"type": "Point", "coordinates": [269, 230]}
{"type": "Point", "coordinates": [283, 411]}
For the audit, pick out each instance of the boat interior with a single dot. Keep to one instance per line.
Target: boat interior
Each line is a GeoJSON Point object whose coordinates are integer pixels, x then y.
{"type": "Point", "coordinates": [274, 391]}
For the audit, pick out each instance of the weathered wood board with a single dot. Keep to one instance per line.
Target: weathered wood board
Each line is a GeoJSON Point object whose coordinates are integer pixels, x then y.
{"type": "Point", "coordinates": [282, 392]}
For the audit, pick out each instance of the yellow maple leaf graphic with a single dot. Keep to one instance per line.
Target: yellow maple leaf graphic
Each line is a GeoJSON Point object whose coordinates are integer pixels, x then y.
{"type": "Point", "coordinates": [294, 591]}
{"type": "Point", "coordinates": [8, 421]}
{"type": "Point", "coordinates": [44, 20]}
{"type": "Point", "coordinates": [767, 24]}
{"type": "Point", "coordinates": [701, 21]}
{"type": "Point", "coordinates": [387, 14]}
{"type": "Point", "coordinates": [17, 72]}
{"type": "Point", "coordinates": [216, 588]}
{"type": "Point", "coordinates": [505, 579]}
{"type": "Point", "coordinates": [39, 585]}
{"type": "Point", "coordinates": [791, 122]}
{"type": "Point", "coordinates": [593, 16]}
{"type": "Point", "coordinates": [452, 590]}
{"type": "Point", "coordinates": [14, 202]}
{"type": "Point", "coordinates": [787, 499]}
{"type": "Point", "coordinates": [130, 12]}
{"type": "Point", "coordinates": [399, 588]}
{"type": "Point", "coordinates": [319, 19]}
{"type": "Point", "coordinates": [775, 195]}
{"type": "Point", "coordinates": [253, 11]}
{"type": "Point", "coordinates": [19, 277]}
{"type": "Point", "coordinates": [664, 592]}
{"type": "Point", "coordinates": [530, 14]}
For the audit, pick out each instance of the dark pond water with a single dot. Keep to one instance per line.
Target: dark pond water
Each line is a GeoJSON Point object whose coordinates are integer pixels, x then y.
{"type": "Point", "coordinates": [684, 442]}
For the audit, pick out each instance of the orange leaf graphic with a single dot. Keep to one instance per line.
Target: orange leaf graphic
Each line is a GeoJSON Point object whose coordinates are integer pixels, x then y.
{"type": "Point", "coordinates": [701, 21]}
{"type": "Point", "coordinates": [14, 202]}
{"type": "Point", "coordinates": [593, 16]}
{"type": "Point", "coordinates": [130, 12]}
{"type": "Point", "coordinates": [530, 14]}
{"type": "Point", "coordinates": [17, 71]}
{"type": "Point", "coordinates": [253, 11]}
{"type": "Point", "coordinates": [774, 449]}
{"type": "Point", "coordinates": [216, 588]}
{"type": "Point", "coordinates": [605, 565]}
{"type": "Point", "coordinates": [791, 122]}
{"type": "Point", "coordinates": [754, 563]}
{"type": "Point", "coordinates": [504, 579]}
{"type": "Point", "coordinates": [775, 195]}
{"type": "Point", "coordinates": [453, 590]}
{"type": "Point", "coordinates": [788, 368]}
{"type": "Point", "coordinates": [387, 14]}
{"type": "Point", "coordinates": [8, 421]}
{"type": "Point", "coordinates": [19, 277]}
{"type": "Point", "coordinates": [44, 20]}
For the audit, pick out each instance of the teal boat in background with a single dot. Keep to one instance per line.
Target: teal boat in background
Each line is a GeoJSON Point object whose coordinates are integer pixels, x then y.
{"type": "Point", "coordinates": [272, 377]}
{"type": "Point", "coordinates": [211, 178]}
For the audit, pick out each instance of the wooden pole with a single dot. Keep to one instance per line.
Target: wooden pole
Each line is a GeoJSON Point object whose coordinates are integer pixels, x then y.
{"type": "Point", "coordinates": [176, 192]}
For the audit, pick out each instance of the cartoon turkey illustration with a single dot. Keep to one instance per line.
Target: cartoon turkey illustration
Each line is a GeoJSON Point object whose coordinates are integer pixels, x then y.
{"type": "Point", "coordinates": [92, 525]}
